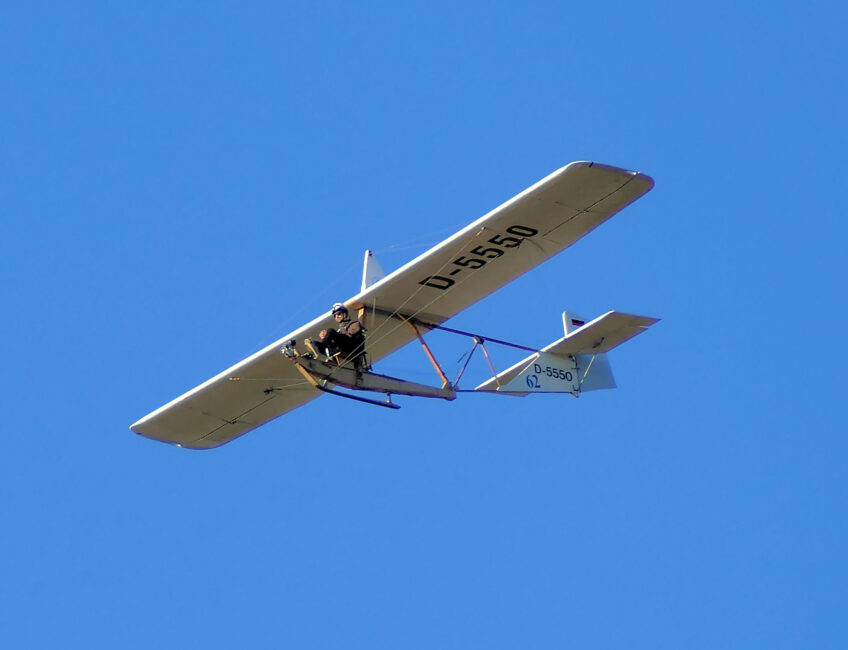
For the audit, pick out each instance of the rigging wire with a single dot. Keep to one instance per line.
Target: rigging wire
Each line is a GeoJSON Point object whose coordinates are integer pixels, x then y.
{"type": "Point", "coordinates": [421, 241]}
{"type": "Point", "coordinates": [397, 310]}
{"type": "Point", "coordinates": [273, 335]}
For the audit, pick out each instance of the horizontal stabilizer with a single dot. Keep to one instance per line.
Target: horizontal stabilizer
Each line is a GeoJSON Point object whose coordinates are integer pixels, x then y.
{"type": "Point", "coordinates": [602, 334]}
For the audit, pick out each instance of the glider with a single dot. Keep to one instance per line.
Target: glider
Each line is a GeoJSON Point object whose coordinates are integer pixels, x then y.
{"type": "Point", "coordinates": [419, 297]}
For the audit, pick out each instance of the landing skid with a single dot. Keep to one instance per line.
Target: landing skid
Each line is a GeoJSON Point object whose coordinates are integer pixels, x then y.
{"type": "Point", "coordinates": [388, 403]}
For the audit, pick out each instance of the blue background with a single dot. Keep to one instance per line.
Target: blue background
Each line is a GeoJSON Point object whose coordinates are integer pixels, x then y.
{"type": "Point", "coordinates": [184, 183]}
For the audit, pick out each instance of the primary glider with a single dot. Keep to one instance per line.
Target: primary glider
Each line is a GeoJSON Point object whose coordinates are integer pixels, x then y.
{"type": "Point", "coordinates": [419, 297]}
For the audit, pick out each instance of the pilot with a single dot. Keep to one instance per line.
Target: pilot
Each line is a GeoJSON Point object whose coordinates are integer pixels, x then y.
{"type": "Point", "coordinates": [348, 339]}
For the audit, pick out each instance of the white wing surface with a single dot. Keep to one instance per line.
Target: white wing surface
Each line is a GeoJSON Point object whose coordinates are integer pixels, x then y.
{"type": "Point", "coordinates": [602, 334]}
{"type": "Point", "coordinates": [497, 248]}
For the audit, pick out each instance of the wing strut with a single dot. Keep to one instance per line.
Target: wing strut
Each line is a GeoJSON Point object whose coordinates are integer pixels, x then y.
{"type": "Point", "coordinates": [445, 380]}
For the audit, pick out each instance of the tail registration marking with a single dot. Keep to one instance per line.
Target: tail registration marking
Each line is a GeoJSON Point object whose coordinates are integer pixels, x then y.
{"type": "Point", "coordinates": [546, 373]}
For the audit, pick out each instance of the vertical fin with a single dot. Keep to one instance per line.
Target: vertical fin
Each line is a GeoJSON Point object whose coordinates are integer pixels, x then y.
{"type": "Point", "coordinates": [593, 369]}
{"type": "Point", "coordinates": [371, 271]}
{"type": "Point", "coordinates": [571, 322]}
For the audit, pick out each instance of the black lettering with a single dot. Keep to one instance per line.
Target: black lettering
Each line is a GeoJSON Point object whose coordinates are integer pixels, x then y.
{"type": "Point", "coordinates": [522, 231]}
{"type": "Point", "coordinates": [437, 282]}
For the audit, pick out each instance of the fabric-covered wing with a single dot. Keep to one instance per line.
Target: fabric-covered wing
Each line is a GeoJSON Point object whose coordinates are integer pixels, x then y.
{"type": "Point", "coordinates": [602, 334]}
{"type": "Point", "coordinates": [497, 248]}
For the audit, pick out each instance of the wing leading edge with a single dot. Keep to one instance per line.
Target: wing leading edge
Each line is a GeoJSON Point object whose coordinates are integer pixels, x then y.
{"type": "Point", "coordinates": [507, 242]}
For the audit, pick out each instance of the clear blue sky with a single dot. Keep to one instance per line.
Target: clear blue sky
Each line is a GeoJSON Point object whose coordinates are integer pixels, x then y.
{"type": "Point", "coordinates": [183, 183]}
